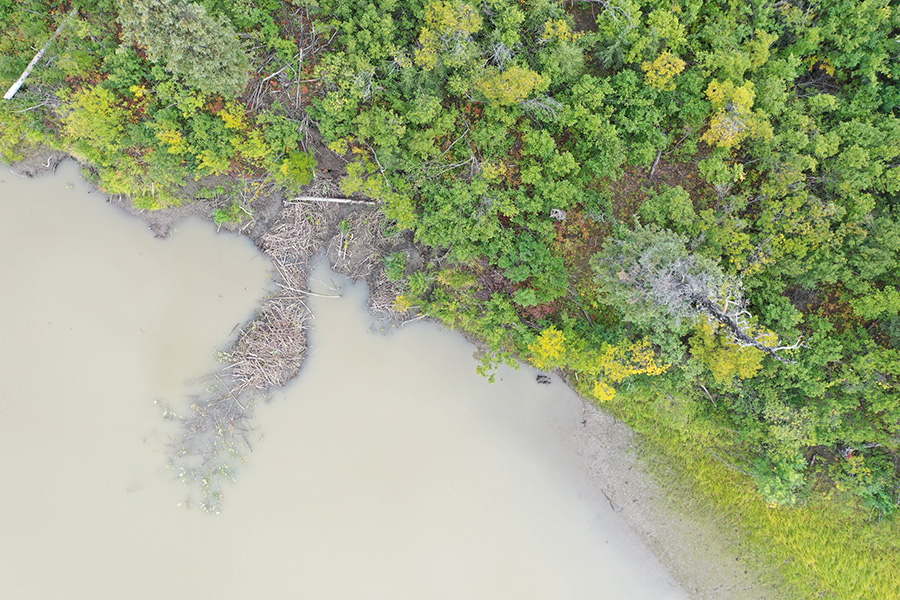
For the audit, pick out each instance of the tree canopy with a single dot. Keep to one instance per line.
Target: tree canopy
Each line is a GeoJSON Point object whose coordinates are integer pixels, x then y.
{"type": "Point", "coordinates": [189, 43]}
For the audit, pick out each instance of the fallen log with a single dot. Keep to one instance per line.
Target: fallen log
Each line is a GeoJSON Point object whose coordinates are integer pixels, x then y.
{"type": "Point", "coordinates": [14, 88]}
{"type": "Point", "coordinates": [332, 200]}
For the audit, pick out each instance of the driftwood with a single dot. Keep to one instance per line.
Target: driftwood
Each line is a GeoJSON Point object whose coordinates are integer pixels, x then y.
{"type": "Point", "coordinates": [14, 88]}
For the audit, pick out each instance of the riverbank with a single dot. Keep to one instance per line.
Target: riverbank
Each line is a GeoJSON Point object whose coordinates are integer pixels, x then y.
{"type": "Point", "coordinates": [688, 542]}
{"type": "Point", "coordinates": [709, 558]}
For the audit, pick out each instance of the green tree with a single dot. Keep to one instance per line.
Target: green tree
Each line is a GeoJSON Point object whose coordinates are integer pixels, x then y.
{"type": "Point", "coordinates": [182, 37]}
{"type": "Point", "coordinates": [96, 125]}
{"type": "Point", "coordinates": [510, 86]}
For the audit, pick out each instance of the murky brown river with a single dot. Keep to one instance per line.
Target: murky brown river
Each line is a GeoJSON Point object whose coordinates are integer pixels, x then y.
{"type": "Point", "coordinates": [389, 469]}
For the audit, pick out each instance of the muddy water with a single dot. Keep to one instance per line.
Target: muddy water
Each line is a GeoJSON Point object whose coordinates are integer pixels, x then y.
{"type": "Point", "coordinates": [387, 470]}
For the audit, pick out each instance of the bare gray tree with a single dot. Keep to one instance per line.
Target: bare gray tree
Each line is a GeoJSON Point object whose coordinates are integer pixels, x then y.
{"type": "Point", "coordinates": [658, 283]}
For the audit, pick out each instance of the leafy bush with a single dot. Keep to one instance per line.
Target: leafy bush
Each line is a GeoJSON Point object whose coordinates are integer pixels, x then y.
{"type": "Point", "coordinates": [296, 170]}
{"type": "Point", "coordinates": [230, 214]}
{"type": "Point", "coordinates": [395, 266]}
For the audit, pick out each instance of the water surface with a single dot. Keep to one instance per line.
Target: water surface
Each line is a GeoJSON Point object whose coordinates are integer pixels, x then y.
{"type": "Point", "coordinates": [389, 469]}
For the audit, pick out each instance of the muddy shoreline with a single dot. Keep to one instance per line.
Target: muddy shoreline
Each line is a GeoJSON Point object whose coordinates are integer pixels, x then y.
{"type": "Point", "coordinates": [709, 563]}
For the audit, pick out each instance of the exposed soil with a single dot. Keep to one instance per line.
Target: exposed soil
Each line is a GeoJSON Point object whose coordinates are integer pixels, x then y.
{"type": "Point", "coordinates": [329, 164]}
{"type": "Point", "coordinates": [585, 15]}
{"type": "Point", "coordinates": [631, 190]}
{"type": "Point", "coordinates": [39, 163]}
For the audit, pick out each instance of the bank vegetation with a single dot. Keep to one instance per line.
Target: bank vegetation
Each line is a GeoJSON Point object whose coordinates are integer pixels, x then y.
{"type": "Point", "coordinates": [690, 209]}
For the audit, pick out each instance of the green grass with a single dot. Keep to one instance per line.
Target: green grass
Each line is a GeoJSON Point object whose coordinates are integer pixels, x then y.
{"type": "Point", "coordinates": [824, 550]}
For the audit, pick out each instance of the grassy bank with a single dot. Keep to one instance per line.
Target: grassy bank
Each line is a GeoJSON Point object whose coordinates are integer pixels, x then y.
{"type": "Point", "coordinates": [824, 549]}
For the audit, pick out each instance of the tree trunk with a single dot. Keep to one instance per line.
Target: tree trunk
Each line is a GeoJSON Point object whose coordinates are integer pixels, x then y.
{"type": "Point", "coordinates": [734, 328]}
{"type": "Point", "coordinates": [331, 200]}
{"type": "Point", "coordinates": [14, 88]}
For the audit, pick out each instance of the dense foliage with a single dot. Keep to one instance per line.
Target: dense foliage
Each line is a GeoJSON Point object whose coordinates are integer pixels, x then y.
{"type": "Point", "coordinates": [691, 208]}
{"type": "Point", "coordinates": [154, 94]}
{"type": "Point", "coordinates": [732, 169]}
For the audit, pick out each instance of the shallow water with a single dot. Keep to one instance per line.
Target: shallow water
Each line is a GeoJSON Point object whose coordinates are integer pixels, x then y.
{"type": "Point", "coordinates": [389, 469]}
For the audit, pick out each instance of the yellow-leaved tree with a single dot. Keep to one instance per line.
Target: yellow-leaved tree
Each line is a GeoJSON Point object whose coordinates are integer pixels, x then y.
{"type": "Point", "coordinates": [549, 348]}
{"type": "Point", "coordinates": [610, 365]}
{"type": "Point", "coordinates": [510, 86]}
{"type": "Point", "coordinates": [447, 35]}
{"type": "Point", "coordinates": [661, 72]}
{"type": "Point", "coordinates": [558, 29]}
{"type": "Point", "coordinates": [617, 362]}
{"type": "Point", "coordinates": [723, 357]}
{"type": "Point", "coordinates": [734, 120]}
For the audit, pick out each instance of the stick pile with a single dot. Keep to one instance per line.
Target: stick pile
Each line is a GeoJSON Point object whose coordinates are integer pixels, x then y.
{"type": "Point", "coordinates": [270, 350]}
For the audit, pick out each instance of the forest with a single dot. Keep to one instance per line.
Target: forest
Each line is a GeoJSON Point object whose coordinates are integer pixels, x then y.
{"type": "Point", "coordinates": [689, 209]}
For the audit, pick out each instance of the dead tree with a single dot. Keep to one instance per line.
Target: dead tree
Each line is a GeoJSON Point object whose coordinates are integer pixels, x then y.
{"type": "Point", "coordinates": [657, 282]}
{"type": "Point", "coordinates": [737, 327]}
{"type": "Point", "coordinates": [14, 88]}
